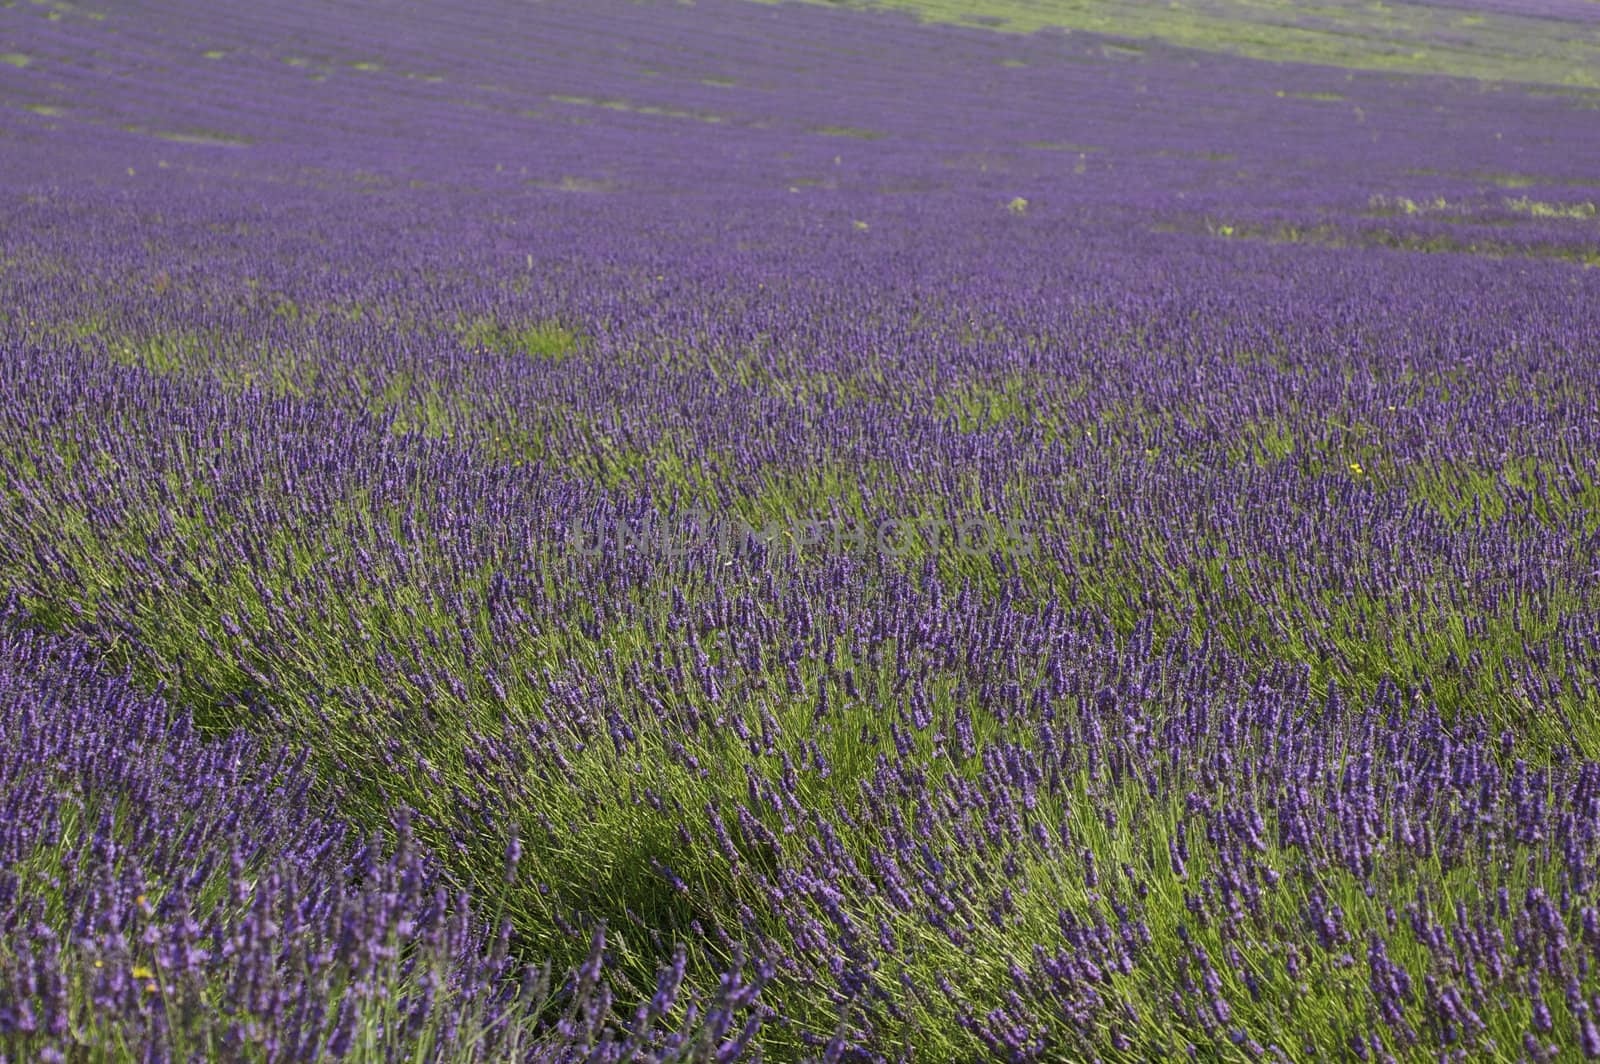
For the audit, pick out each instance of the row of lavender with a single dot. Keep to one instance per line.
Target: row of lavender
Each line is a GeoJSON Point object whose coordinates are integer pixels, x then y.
{"type": "Point", "coordinates": [167, 896]}
{"type": "Point", "coordinates": [419, 467]}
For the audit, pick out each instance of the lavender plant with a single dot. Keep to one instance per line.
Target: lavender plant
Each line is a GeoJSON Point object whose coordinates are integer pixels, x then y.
{"type": "Point", "coordinates": [171, 896]}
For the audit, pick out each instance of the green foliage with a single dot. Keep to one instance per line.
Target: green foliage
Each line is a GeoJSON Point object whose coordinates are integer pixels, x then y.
{"type": "Point", "coordinates": [540, 339]}
{"type": "Point", "coordinates": [1399, 37]}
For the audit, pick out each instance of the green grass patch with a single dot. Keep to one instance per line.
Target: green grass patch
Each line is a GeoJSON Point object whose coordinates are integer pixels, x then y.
{"type": "Point", "coordinates": [547, 340]}
{"type": "Point", "coordinates": [1396, 37]}
{"type": "Point", "coordinates": [854, 132]}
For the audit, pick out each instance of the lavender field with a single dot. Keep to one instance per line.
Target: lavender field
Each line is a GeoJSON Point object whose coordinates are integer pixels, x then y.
{"type": "Point", "coordinates": [651, 531]}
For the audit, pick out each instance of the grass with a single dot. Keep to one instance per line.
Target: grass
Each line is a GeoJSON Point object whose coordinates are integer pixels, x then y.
{"type": "Point", "coordinates": [547, 340]}
{"type": "Point", "coordinates": [1395, 37]}
{"type": "Point", "coordinates": [854, 132]}
{"type": "Point", "coordinates": [1584, 211]}
{"type": "Point", "coordinates": [632, 107]}
{"type": "Point", "coordinates": [1345, 235]}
